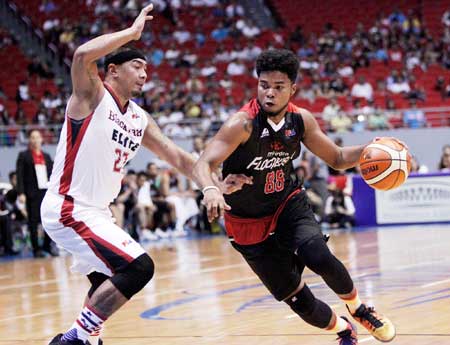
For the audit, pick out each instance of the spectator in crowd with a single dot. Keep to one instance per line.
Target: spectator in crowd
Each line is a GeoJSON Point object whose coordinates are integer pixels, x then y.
{"type": "Point", "coordinates": [440, 86]}
{"type": "Point", "coordinates": [444, 164]}
{"type": "Point", "coordinates": [339, 87]}
{"type": "Point", "coordinates": [396, 83]}
{"type": "Point", "coordinates": [220, 32]}
{"type": "Point", "coordinates": [446, 19]}
{"type": "Point", "coordinates": [416, 91]}
{"type": "Point", "coordinates": [181, 34]}
{"type": "Point", "coordinates": [145, 207]}
{"type": "Point", "coordinates": [182, 197]}
{"type": "Point", "coordinates": [414, 117]}
{"type": "Point", "coordinates": [39, 69]}
{"type": "Point", "coordinates": [156, 56]}
{"type": "Point", "coordinates": [250, 29]}
{"type": "Point", "coordinates": [378, 120]}
{"type": "Point", "coordinates": [164, 217]}
{"type": "Point", "coordinates": [331, 110]}
{"type": "Point", "coordinates": [23, 92]}
{"type": "Point", "coordinates": [362, 89]}
{"type": "Point", "coordinates": [47, 7]}
{"type": "Point", "coordinates": [345, 70]}
{"type": "Point", "coordinates": [15, 217]}
{"type": "Point", "coordinates": [395, 53]}
{"type": "Point", "coordinates": [340, 123]}
{"type": "Point", "coordinates": [339, 210]}
{"type": "Point", "coordinates": [314, 198]}
{"type": "Point", "coordinates": [236, 67]}
{"type": "Point", "coordinates": [6, 230]}
{"type": "Point", "coordinates": [202, 223]}
{"type": "Point", "coordinates": [234, 9]}
{"type": "Point", "coordinates": [33, 171]}
{"type": "Point", "coordinates": [416, 167]}
{"type": "Point", "coordinates": [124, 207]}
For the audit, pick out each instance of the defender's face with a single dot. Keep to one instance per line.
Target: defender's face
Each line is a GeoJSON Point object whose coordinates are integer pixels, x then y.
{"type": "Point", "coordinates": [274, 91]}
{"type": "Point", "coordinates": [132, 75]}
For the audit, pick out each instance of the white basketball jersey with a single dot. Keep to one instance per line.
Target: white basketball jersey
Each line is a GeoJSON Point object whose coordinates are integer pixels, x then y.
{"type": "Point", "coordinates": [91, 154]}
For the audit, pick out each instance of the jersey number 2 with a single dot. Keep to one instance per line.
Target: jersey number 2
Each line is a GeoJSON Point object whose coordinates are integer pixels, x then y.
{"type": "Point", "coordinates": [274, 182]}
{"type": "Point", "coordinates": [121, 160]}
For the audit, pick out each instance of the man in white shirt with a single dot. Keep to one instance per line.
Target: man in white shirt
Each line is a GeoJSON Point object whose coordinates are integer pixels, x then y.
{"type": "Point", "coordinates": [362, 89]}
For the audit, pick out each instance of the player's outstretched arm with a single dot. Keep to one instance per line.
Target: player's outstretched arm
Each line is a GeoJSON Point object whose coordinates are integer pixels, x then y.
{"type": "Point", "coordinates": [86, 83]}
{"type": "Point", "coordinates": [166, 149]}
{"type": "Point", "coordinates": [322, 146]}
{"type": "Point", "coordinates": [235, 131]}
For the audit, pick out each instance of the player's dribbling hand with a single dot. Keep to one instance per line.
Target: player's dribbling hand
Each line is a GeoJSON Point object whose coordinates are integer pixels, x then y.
{"type": "Point", "coordinates": [139, 22]}
{"type": "Point", "coordinates": [234, 182]}
{"type": "Point", "coordinates": [215, 204]}
{"type": "Point", "coordinates": [395, 139]}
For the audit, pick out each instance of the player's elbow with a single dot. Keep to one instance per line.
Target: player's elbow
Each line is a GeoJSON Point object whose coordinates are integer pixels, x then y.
{"type": "Point", "coordinates": [81, 56]}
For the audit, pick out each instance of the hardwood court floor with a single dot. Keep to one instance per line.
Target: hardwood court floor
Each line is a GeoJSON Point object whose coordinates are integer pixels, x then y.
{"type": "Point", "coordinates": [204, 293]}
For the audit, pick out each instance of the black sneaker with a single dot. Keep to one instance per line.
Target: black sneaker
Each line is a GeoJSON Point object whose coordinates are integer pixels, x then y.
{"type": "Point", "coordinates": [100, 342]}
{"type": "Point", "coordinates": [57, 341]}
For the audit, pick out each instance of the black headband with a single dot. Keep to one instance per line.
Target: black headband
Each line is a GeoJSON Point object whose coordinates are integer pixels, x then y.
{"type": "Point", "coordinates": [123, 56]}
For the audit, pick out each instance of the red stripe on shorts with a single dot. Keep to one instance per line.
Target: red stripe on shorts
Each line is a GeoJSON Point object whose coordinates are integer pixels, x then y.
{"type": "Point", "coordinates": [88, 235]}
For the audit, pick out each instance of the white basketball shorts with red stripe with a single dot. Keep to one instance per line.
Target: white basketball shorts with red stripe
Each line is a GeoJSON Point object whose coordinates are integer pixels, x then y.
{"type": "Point", "coordinates": [89, 234]}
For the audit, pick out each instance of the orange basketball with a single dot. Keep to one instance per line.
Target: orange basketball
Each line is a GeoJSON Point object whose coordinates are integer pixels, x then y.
{"type": "Point", "coordinates": [385, 164]}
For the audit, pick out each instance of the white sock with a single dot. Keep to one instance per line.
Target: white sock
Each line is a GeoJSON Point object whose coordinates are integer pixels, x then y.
{"type": "Point", "coordinates": [340, 325]}
{"type": "Point", "coordinates": [95, 336]}
{"type": "Point", "coordinates": [353, 302]}
{"type": "Point", "coordinates": [86, 323]}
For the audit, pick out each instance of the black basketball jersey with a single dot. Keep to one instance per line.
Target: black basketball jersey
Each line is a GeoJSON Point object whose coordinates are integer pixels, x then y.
{"type": "Point", "coordinates": [267, 156]}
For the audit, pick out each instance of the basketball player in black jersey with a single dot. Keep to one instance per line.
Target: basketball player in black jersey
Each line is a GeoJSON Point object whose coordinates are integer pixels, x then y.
{"type": "Point", "coordinates": [271, 222]}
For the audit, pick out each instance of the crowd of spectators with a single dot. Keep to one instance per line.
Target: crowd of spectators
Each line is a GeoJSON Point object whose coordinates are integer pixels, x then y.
{"type": "Point", "coordinates": [206, 88]}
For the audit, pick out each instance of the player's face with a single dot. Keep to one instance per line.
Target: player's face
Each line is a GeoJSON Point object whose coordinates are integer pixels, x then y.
{"type": "Point", "coordinates": [274, 91]}
{"type": "Point", "coordinates": [134, 75]}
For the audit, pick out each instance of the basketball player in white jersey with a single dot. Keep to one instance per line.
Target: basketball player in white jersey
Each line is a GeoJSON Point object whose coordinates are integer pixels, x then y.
{"type": "Point", "coordinates": [103, 130]}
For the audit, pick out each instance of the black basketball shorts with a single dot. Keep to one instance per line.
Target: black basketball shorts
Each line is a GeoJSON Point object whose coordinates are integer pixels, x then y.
{"type": "Point", "coordinates": [274, 260]}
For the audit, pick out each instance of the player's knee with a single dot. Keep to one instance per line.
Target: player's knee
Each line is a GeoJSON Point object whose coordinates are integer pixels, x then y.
{"type": "Point", "coordinates": [135, 276]}
{"type": "Point", "coordinates": [145, 267]}
{"type": "Point", "coordinates": [316, 256]}
{"type": "Point", "coordinates": [310, 309]}
{"type": "Point", "coordinates": [302, 302]}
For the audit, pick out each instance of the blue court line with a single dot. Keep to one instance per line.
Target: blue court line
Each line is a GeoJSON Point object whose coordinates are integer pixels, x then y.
{"type": "Point", "coordinates": [424, 295]}
{"type": "Point", "coordinates": [422, 302]}
{"type": "Point", "coordinates": [153, 313]}
{"type": "Point", "coordinates": [254, 301]}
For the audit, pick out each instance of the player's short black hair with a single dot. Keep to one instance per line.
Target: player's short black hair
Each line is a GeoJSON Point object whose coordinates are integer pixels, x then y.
{"type": "Point", "coordinates": [121, 55]}
{"type": "Point", "coordinates": [281, 60]}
